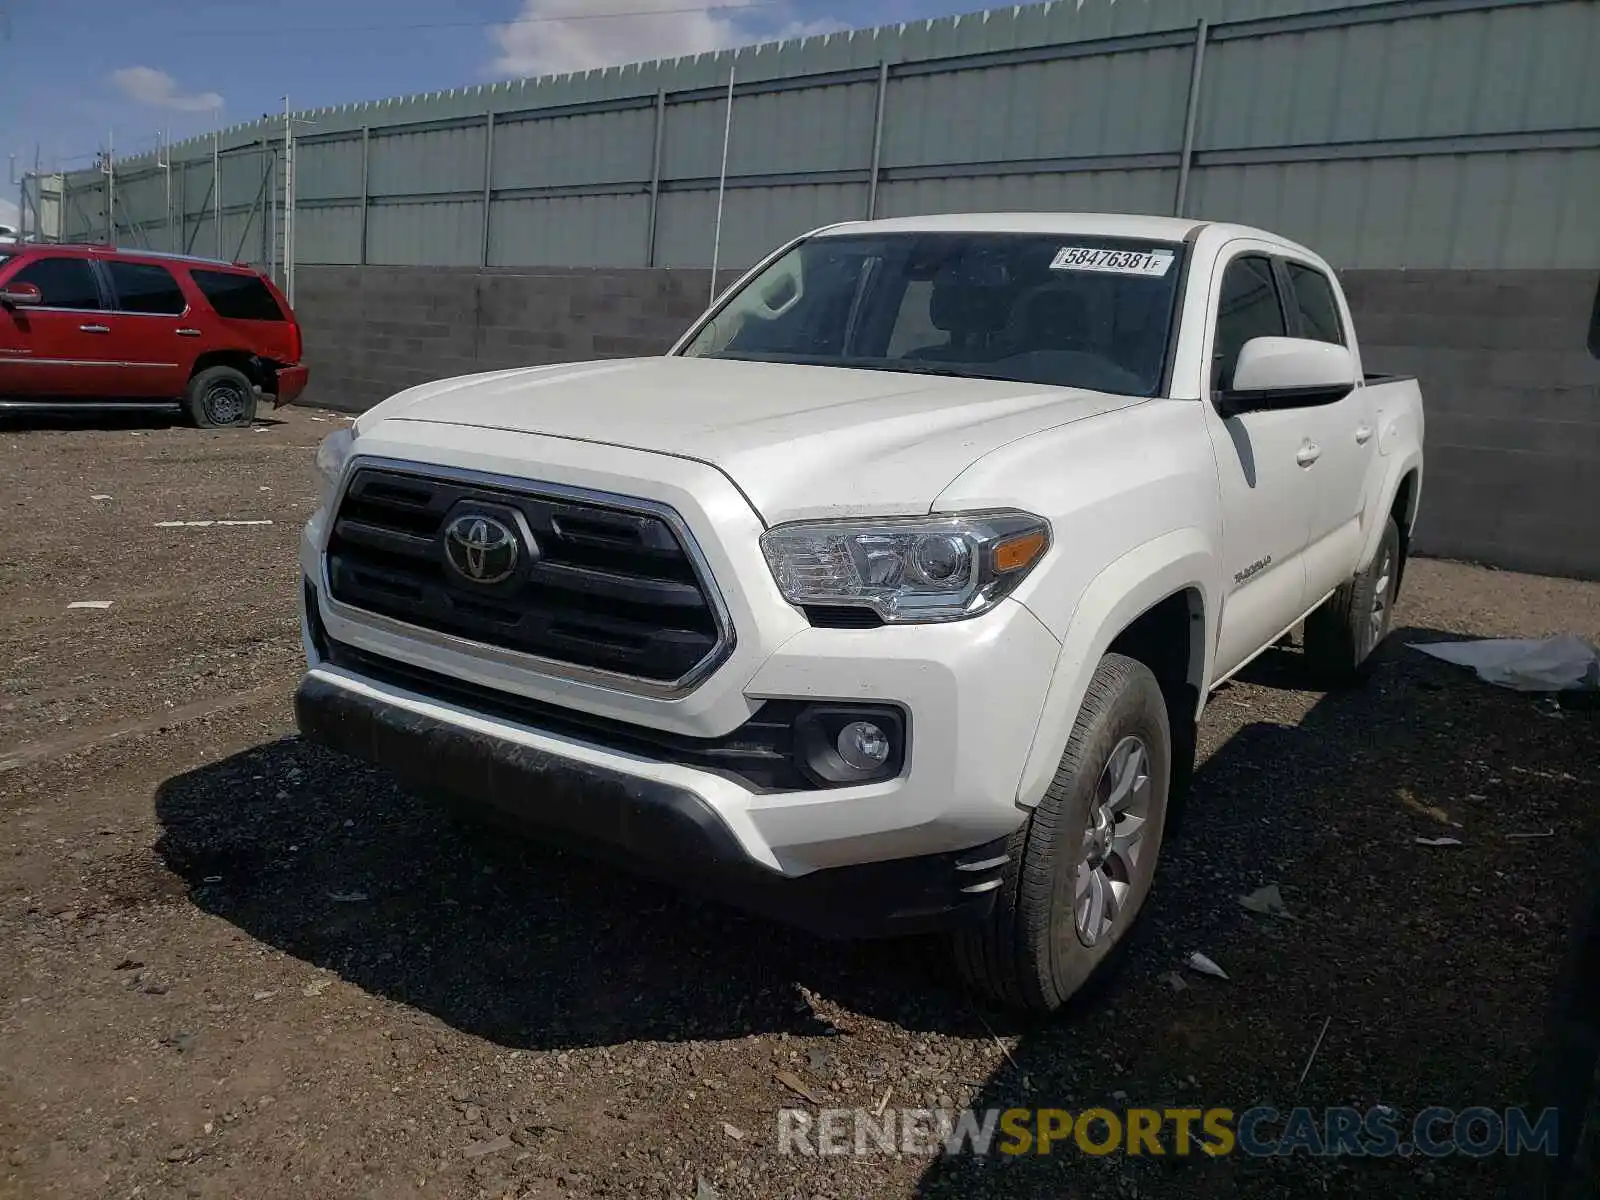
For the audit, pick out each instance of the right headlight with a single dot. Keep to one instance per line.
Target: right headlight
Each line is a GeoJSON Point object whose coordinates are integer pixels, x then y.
{"type": "Point", "coordinates": [331, 456]}
{"type": "Point", "coordinates": [907, 569]}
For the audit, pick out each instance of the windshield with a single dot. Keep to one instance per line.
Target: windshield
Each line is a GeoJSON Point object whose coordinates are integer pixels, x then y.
{"type": "Point", "coordinates": [1052, 309]}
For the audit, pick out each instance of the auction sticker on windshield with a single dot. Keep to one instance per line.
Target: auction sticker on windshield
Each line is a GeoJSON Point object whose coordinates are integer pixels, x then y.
{"type": "Point", "coordinates": [1113, 262]}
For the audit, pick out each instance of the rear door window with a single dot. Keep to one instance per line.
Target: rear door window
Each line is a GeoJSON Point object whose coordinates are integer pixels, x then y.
{"type": "Point", "coordinates": [62, 282]}
{"type": "Point", "coordinates": [1314, 304]}
{"type": "Point", "coordinates": [146, 288]}
{"type": "Point", "coordinates": [237, 297]}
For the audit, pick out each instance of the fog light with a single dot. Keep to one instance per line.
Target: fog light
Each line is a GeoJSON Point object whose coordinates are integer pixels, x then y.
{"type": "Point", "coordinates": [846, 744]}
{"type": "Point", "coordinates": [863, 746]}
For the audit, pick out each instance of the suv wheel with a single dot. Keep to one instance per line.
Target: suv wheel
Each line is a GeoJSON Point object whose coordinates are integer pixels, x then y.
{"type": "Point", "coordinates": [220, 396]}
{"type": "Point", "coordinates": [1082, 863]}
{"type": "Point", "coordinates": [1342, 634]}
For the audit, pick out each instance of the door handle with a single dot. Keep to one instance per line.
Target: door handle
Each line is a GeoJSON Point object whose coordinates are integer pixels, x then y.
{"type": "Point", "coordinates": [94, 328]}
{"type": "Point", "coordinates": [196, 333]}
{"type": "Point", "coordinates": [1363, 434]}
{"type": "Point", "coordinates": [1308, 454]}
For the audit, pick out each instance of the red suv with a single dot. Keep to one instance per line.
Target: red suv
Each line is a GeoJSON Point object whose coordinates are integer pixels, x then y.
{"type": "Point", "coordinates": [82, 325]}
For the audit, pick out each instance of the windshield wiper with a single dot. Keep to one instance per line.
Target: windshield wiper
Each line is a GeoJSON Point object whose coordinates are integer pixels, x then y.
{"type": "Point", "coordinates": [848, 362]}
{"type": "Point", "coordinates": [924, 368]}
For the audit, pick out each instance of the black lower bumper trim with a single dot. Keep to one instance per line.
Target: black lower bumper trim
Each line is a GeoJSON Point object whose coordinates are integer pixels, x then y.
{"type": "Point", "coordinates": [654, 828]}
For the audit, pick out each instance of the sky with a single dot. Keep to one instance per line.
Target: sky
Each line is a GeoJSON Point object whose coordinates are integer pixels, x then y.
{"type": "Point", "coordinates": [77, 73]}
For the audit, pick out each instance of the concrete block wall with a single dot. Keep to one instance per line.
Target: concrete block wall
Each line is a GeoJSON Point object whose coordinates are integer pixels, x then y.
{"type": "Point", "coordinates": [1512, 476]}
{"type": "Point", "coordinates": [373, 331]}
{"type": "Point", "coordinates": [1513, 397]}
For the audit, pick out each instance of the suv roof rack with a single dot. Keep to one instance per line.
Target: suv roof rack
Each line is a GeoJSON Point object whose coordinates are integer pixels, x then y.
{"type": "Point", "coordinates": [140, 252]}
{"type": "Point", "coordinates": [171, 254]}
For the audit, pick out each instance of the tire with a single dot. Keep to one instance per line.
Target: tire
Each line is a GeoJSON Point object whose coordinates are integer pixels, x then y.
{"type": "Point", "coordinates": [1031, 952]}
{"type": "Point", "coordinates": [220, 396]}
{"type": "Point", "coordinates": [1342, 634]}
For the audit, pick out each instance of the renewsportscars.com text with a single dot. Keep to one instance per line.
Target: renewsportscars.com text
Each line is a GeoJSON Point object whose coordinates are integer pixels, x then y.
{"type": "Point", "coordinates": [1260, 1132]}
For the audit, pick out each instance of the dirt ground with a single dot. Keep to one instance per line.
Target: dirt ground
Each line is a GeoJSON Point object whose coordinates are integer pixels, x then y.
{"type": "Point", "coordinates": [237, 966]}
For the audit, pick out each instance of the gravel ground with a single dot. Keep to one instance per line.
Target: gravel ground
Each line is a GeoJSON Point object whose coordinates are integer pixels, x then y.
{"type": "Point", "coordinates": [239, 966]}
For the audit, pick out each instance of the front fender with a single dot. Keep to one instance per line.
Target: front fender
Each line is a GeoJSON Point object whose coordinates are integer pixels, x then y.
{"type": "Point", "coordinates": [1127, 588]}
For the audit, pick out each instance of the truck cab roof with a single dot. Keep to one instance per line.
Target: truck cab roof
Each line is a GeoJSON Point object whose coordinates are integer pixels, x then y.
{"type": "Point", "coordinates": [1116, 225]}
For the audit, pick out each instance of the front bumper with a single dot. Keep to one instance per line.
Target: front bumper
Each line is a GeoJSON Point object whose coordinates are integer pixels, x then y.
{"type": "Point", "coordinates": [656, 823]}
{"type": "Point", "coordinates": [971, 691]}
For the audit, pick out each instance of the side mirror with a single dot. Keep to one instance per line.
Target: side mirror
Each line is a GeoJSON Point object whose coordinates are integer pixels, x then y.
{"type": "Point", "coordinates": [1281, 372]}
{"type": "Point", "coordinates": [21, 295]}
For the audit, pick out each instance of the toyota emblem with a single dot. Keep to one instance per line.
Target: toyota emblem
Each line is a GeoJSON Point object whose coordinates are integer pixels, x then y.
{"type": "Point", "coordinates": [481, 548]}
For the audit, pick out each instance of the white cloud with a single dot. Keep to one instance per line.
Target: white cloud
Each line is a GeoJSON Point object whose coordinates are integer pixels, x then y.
{"type": "Point", "coordinates": [146, 85]}
{"type": "Point", "coordinates": [574, 35]}
{"type": "Point", "coordinates": [8, 214]}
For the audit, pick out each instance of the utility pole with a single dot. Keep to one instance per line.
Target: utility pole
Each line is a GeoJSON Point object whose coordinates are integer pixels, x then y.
{"type": "Point", "coordinates": [111, 187]}
{"type": "Point", "coordinates": [38, 199]}
{"type": "Point", "coordinates": [288, 203]}
{"type": "Point", "coordinates": [216, 176]}
{"type": "Point", "coordinates": [164, 161]}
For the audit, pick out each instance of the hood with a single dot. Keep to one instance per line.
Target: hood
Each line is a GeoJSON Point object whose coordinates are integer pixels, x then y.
{"type": "Point", "coordinates": [799, 441]}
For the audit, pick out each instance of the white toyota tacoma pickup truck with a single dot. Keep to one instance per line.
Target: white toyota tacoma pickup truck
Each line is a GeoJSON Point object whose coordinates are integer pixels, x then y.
{"type": "Point", "coordinates": [889, 598]}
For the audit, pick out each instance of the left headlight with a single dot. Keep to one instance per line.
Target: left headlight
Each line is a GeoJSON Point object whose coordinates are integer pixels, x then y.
{"type": "Point", "coordinates": [331, 456]}
{"type": "Point", "coordinates": [912, 569]}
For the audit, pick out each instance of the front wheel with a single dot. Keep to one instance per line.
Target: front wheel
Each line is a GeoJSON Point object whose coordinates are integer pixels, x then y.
{"type": "Point", "coordinates": [220, 396]}
{"type": "Point", "coordinates": [1082, 863]}
{"type": "Point", "coordinates": [1342, 634]}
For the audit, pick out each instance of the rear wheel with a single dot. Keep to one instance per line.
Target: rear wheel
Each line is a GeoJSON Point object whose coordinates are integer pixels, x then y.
{"type": "Point", "coordinates": [1342, 634]}
{"type": "Point", "coordinates": [219, 396]}
{"type": "Point", "coordinates": [1082, 863]}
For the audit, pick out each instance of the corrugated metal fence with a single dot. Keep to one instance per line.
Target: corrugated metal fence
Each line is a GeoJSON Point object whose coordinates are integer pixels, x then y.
{"type": "Point", "coordinates": [1397, 133]}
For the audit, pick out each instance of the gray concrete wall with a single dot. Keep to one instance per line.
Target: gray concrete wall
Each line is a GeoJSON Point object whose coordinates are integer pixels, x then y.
{"type": "Point", "coordinates": [372, 331]}
{"type": "Point", "coordinates": [1512, 476]}
{"type": "Point", "coordinates": [1513, 397]}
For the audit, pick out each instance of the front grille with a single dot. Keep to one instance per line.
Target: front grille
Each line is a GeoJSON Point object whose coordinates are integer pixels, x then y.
{"type": "Point", "coordinates": [608, 587]}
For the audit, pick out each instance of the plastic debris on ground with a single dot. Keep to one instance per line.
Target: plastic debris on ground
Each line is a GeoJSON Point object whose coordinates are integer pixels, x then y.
{"type": "Point", "coordinates": [1555, 664]}
{"type": "Point", "coordinates": [492, 1145]}
{"type": "Point", "coordinates": [90, 604]}
{"type": "Point", "coordinates": [1268, 901]}
{"type": "Point", "coordinates": [1203, 965]}
{"type": "Point", "coordinates": [792, 1081]}
{"type": "Point", "coordinates": [204, 524]}
{"type": "Point", "coordinates": [1438, 841]}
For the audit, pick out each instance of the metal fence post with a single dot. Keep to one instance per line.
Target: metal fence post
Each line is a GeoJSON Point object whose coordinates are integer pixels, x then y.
{"type": "Point", "coordinates": [288, 203]}
{"type": "Point", "coordinates": [165, 158]}
{"type": "Point", "coordinates": [877, 139]}
{"type": "Point", "coordinates": [366, 138]}
{"type": "Point", "coordinates": [655, 178]}
{"type": "Point", "coordinates": [111, 189]}
{"type": "Point", "coordinates": [269, 227]}
{"type": "Point", "coordinates": [488, 183]}
{"type": "Point", "coordinates": [722, 187]}
{"type": "Point", "coordinates": [216, 187]}
{"type": "Point", "coordinates": [1197, 66]}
